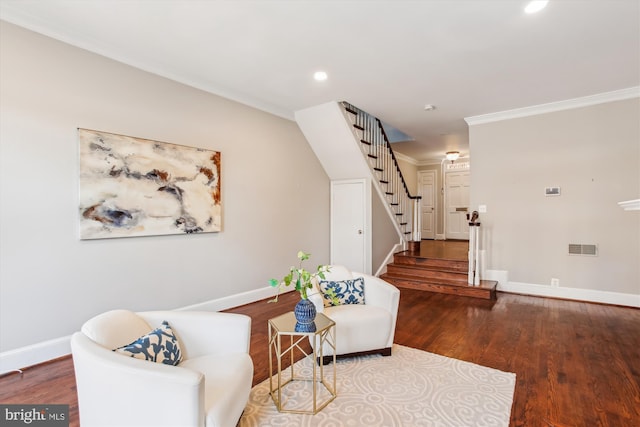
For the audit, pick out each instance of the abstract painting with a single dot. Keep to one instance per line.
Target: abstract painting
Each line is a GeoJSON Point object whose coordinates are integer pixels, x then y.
{"type": "Point", "coordinates": [139, 187]}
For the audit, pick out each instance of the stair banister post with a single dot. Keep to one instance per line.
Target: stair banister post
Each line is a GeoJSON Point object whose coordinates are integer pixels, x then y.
{"type": "Point", "coordinates": [473, 278]}
{"type": "Point", "coordinates": [476, 275]}
{"type": "Point", "coordinates": [417, 220]}
{"type": "Point", "coordinates": [472, 245]}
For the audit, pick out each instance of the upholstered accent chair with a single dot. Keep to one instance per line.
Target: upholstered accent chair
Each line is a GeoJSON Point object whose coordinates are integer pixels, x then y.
{"type": "Point", "coordinates": [365, 321]}
{"type": "Point", "coordinates": [208, 386]}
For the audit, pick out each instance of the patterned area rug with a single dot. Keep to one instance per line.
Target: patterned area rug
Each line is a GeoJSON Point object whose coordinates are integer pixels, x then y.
{"type": "Point", "coordinates": [409, 388]}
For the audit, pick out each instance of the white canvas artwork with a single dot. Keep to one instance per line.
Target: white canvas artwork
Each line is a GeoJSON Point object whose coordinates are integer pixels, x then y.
{"type": "Point", "coordinates": [139, 187]}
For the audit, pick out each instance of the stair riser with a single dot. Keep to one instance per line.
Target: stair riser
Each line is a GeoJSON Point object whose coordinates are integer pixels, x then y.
{"type": "Point", "coordinates": [427, 274]}
{"type": "Point", "coordinates": [469, 291]}
{"type": "Point", "coordinates": [432, 263]}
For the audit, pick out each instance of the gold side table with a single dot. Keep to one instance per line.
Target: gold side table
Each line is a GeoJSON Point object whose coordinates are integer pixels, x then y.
{"type": "Point", "coordinates": [322, 389]}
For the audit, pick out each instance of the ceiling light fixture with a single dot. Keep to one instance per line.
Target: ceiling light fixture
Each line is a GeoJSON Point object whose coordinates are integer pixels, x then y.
{"type": "Point", "coordinates": [535, 6]}
{"type": "Point", "coordinates": [452, 156]}
{"type": "Point", "coordinates": [320, 76]}
{"type": "Point", "coordinates": [429, 107]}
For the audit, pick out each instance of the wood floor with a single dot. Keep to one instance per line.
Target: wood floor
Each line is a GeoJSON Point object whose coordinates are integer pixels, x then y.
{"type": "Point", "coordinates": [577, 364]}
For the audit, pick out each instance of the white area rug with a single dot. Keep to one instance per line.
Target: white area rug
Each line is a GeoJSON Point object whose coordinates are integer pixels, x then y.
{"type": "Point", "coordinates": [409, 388]}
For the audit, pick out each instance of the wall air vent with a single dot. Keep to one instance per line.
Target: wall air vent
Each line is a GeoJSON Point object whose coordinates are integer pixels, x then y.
{"type": "Point", "coordinates": [578, 249]}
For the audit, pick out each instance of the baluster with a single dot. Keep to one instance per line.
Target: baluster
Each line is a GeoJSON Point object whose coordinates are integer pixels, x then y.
{"type": "Point", "coordinates": [407, 208]}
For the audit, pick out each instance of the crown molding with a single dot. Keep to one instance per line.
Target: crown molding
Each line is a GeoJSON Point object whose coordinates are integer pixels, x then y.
{"type": "Point", "coordinates": [430, 162]}
{"type": "Point", "coordinates": [585, 101]}
{"type": "Point", "coordinates": [405, 158]}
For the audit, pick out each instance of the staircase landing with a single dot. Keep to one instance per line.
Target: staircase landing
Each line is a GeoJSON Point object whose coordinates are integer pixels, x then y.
{"type": "Point", "coordinates": [438, 266]}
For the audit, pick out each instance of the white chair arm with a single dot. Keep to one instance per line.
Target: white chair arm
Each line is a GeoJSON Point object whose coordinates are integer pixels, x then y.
{"type": "Point", "coordinates": [205, 333]}
{"type": "Point", "coordinates": [108, 380]}
{"type": "Point", "coordinates": [379, 293]}
{"type": "Point", "coordinates": [382, 294]}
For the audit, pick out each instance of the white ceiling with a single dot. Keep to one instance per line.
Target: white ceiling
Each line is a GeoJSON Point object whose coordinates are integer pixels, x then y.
{"type": "Point", "coordinates": [390, 58]}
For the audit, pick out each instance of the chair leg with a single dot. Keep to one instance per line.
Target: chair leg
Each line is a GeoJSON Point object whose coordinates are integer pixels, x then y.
{"type": "Point", "coordinates": [325, 360]}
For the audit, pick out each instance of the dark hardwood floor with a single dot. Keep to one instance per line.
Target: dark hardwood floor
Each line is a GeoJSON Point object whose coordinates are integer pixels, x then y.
{"type": "Point", "coordinates": [577, 364]}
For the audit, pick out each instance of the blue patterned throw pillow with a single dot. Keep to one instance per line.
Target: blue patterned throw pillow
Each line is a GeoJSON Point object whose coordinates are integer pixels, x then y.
{"type": "Point", "coordinates": [159, 345]}
{"type": "Point", "coordinates": [347, 291]}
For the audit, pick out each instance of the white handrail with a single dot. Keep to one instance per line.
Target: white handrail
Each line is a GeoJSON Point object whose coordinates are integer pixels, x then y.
{"type": "Point", "coordinates": [376, 148]}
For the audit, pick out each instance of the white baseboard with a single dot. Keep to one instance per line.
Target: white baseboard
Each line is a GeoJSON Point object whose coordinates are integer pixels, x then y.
{"type": "Point", "coordinates": [22, 357]}
{"type": "Point", "coordinates": [440, 237]}
{"type": "Point", "coordinates": [577, 294]}
{"type": "Point", "coordinates": [232, 300]}
{"type": "Point", "coordinates": [34, 354]}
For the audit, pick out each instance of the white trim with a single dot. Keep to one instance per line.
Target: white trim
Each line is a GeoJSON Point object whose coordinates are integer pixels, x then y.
{"type": "Point", "coordinates": [630, 205]}
{"type": "Point", "coordinates": [404, 158]}
{"type": "Point", "coordinates": [585, 101]}
{"type": "Point", "coordinates": [231, 301]}
{"type": "Point", "coordinates": [383, 268]}
{"type": "Point", "coordinates": [586, 295]}
{"type": "Point", "coordinates": [19, 358]}
{"type": "Point", "coordinates": [429, 162]}
{"type": "Point", "coordinates": [34, 354]}
{"type": "Point", "coordinates": [422, 173]}
{"type": "Point", "coordinates": [29, 22]}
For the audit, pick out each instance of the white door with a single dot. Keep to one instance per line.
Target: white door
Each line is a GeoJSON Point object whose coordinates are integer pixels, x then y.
{"type": "Point", "coordinates": [427, 181]}
{"type": "Point", "coordinates": [350, 219]}
{"type": "Point", "coordinates": [457, 205]}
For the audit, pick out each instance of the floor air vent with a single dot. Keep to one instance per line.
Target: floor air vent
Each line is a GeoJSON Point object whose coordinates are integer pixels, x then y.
{"type": "Point", "coordinates": [578, 249]}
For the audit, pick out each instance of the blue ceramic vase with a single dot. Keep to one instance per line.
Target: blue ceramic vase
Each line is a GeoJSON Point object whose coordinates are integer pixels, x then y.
{"type": "Point", "coordinates": [305, 312]}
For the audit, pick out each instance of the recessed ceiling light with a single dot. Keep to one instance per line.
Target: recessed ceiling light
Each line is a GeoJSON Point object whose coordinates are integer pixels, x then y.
{"type": "Point", "coordinates": [429, 107]}
{"type": "Point", "coordinates": [536, 6]}
{"type": "Point", "coordinates": [320, 76]}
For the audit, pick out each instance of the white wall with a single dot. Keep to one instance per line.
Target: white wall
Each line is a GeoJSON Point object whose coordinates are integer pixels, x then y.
{"type": "Point", "coordinates": [385, 239]}
{"type": "Point", "coordinates": [275, 194]}
{"type": "Point", "coordinates": [593, 154]}
{"type": "Point", "coordinates": [409, 173]}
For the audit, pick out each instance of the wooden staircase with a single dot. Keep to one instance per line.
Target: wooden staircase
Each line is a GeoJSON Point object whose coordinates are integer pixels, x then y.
{"type": "Point", "coordinates": [438, 266]}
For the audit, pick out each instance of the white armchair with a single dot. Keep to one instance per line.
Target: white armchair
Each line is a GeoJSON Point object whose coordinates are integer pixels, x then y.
{"type": "Point", "coordinates": [361, 328]}
{"type": "Point", "coordinates": [210, 387]}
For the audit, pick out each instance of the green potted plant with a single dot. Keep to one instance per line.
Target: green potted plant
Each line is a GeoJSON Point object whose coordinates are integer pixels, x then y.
{"type": "Point", "coordinates": [302, 279]}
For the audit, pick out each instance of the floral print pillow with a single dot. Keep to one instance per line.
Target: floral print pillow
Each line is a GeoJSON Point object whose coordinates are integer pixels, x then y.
{"type": "Point", "coordinates": [159, 345]}
{"type": "Point", "coordinates": [347, 291]}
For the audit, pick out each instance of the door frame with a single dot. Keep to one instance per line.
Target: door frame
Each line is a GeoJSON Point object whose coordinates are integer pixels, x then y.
{"type": "Point", "coordinates": [462, 166]}
{"type": "Point", "coordinates": [434, 195]}
{"type": "Point", "coordinates": [365, 185]}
